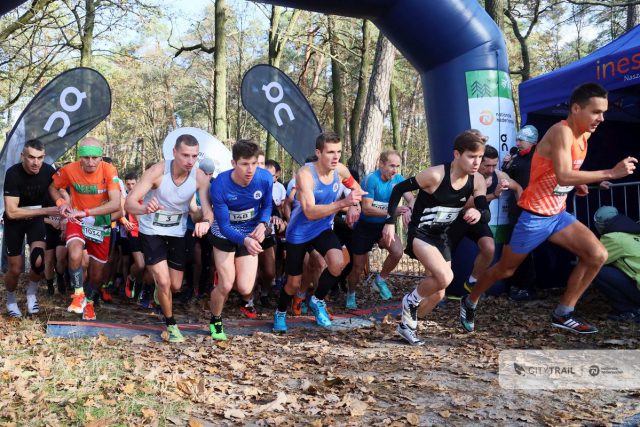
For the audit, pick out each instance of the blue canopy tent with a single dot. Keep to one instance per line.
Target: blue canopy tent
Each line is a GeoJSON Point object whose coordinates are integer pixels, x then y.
{"type": "Point", "coordinates": [544, 101]}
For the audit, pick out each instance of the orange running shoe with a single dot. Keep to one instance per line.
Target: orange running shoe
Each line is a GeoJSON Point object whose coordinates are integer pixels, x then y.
{"type": "Point", "coordinates": [296, 307]}
{"type": "Point", "coordinates": [106, 295]}
{"type": "Point", "coordinates": [77, 303]}
{"type": "Point", "coordinates": [89, 313]}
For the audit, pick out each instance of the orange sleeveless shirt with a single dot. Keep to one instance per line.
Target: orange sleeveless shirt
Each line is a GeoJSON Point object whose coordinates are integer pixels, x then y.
{"type": "Point", "coordinates": [544, 196]}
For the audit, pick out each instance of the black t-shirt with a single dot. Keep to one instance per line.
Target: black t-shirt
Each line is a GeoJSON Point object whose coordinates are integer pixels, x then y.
{"type": "Point", "coordinates": [31, 189]}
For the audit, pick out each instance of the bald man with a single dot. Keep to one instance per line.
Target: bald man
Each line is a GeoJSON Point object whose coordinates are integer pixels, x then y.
{"type": "Point", "coordinates": [95, 202]}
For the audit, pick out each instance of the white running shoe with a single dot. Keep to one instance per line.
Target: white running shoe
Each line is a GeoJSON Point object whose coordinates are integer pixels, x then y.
{"type": "Point", "coordinates": [13, 310]}
{"type": "Point", "coordinates": [32, 304]}
{"type": "Point", "coordinates": [409, 335]}
{"type": "Point", "coordinates": [409, 313]}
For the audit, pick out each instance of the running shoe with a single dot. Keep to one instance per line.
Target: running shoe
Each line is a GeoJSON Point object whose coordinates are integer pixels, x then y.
{"type": "Point", "coordinates": [319, 309]}
{"type": "Point", "coordinates": [409, 335]}
{"type": "Point", "coordinates": [174, 334]}
{"type": "Point", "coordinates": [296, 307]}
{"type": "Point", "coordinates": [14, 311]}
{"type": "Point", "coordinates": [130, 287]}
{"type": "Point", "coordinates": [155, 297]}
{"type": "Point", "coordinates": [217, 331]}
{"type": "Point", "coordinates": [409, 313]}
{"type": "Point", "coordinates": [468, 286]}
{"type": "Point", "coordinates": [32, 304]}
{"type": "Point", "coordinates": [106, 295]}
{"type": "Point", "coordinates": [467, 316]}
{"type": "Point", "coordinates": [77, 303]}
{"type": "Point", "coordinates": [51, 290]}
{"type": "Point", "coordinates": [248, 309]}
{"type": "Point", "coordinates": [280, 322]}
{"type": "Point", "coordinates": [89, 313]}
{"type": "Point", "coordinates": [145, 300]}
{"type": "Point", "coordinates": [572, 323]}
{"type": "Point", "coordinates": [627, 316]}
{"type": "Point", "coordinates": [380, 285]}
{"type": "Point", "coordinates": [304, 309]}
{"type": "Point", "coordinates": [351, 303]}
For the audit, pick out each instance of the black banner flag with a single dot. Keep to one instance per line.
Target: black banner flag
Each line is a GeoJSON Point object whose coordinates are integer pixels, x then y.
{"type": "Point", "coordinates": [280, 107]}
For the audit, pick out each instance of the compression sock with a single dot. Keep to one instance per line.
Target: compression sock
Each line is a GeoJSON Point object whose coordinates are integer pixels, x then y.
{"type": "Point", "coordinates": [325, 283]}
{"type": "Point", "coordinates": [284, 301]}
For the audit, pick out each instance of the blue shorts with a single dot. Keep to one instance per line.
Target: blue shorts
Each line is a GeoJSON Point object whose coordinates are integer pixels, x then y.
{"type": "Point", "coordinates": [531, 230]}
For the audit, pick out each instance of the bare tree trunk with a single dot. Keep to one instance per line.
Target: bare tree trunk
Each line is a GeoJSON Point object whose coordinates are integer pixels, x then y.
{"type": "Point", "coordinates": [395, 123]}
{"type": "Point", "coordinates": [86, 50]}
{"type": "Point", "coordinates": [495, 9]}
{"type": "Point", "coordinates": [220, 79]}
{"type": "Point", "coordinates": [336, 79]}
{"type": "Point", "coordinates": [370, 139]}
{"type": "Point", "coordinates": [633, 16]}
{"type": "Point", "coordinates": [358, 105]}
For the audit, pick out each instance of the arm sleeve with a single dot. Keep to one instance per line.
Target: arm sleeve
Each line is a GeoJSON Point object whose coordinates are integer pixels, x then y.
{"type": "Point", "coordinates": [266, 201]}
{"type": "Point", "coordinates": [407, 185]}
{"type": "Point", "coordinates": [221, 214]}
{"type": "Point", "coordinates": [483, 206]}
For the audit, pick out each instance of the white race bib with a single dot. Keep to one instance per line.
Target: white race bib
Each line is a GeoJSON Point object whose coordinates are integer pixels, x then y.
{"type": "Point", "coordinates": [242, 215]}
{"type": "Point", "coordinates": [380, 205]}
{"type": "Point", "coordinates": [166, 219]}
{"type": "Point", "coordinates": [93, 233]}
{"type": "Point", "coordinates": [445, 216]}
{"type": "Point", "coordinates": [561, 190]}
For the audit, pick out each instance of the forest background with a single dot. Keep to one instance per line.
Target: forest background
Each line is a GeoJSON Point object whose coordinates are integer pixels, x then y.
{"type": "Point", "coordinates": [173, 64]}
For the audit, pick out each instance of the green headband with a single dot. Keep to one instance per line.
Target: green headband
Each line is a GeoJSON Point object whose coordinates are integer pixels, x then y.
{"type": "Point", "coordinates": [89, 151]}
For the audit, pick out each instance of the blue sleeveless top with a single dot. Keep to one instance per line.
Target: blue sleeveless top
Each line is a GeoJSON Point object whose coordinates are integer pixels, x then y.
{"type": "Point", "coordinates": [300, 228]}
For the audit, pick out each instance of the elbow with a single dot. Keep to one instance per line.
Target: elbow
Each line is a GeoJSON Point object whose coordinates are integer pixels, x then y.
{"type": "Point", "coordinates": [10, 214]}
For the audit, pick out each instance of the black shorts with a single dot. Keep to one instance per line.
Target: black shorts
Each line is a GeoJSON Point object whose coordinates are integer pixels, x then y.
{"type": "Point", "coordinates": [268, 242]}
{"type": "Point", "coordinates": [440, 242]}
{"type": "Point", "coordinates": [124, 245]}
{"type": "Point", "coordinates": [226, 245]}
{"type": "Point", "coordinates": [54, 238]}
{"type": "Point", "coordinates": [114, 239]}
{"type": "Point", "coordinates": [365, 235]}
{"type": "Point", "coordinates": [160, 248]}
{"type": "Point", "coordinates": [322, 243]}
{"type": "Point", "coordinates": [461, 229]}
{"type": "Point", "coordinates": [134, 244]}
{"type": "Point", "coordinates": [15, 230]}
{"type": "Point", "coordinates": [343, 231]}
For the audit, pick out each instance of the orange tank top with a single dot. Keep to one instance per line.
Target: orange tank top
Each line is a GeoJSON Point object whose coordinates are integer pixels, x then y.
{"type": "Point", "coordinates": [544, 196]}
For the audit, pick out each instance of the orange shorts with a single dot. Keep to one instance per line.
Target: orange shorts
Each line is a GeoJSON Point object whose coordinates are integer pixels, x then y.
{"type": "Point", "coordinates": [96, 250]}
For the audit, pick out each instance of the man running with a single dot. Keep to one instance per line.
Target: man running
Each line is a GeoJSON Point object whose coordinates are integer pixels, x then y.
{"type": "Point", "coordinates": [317, 185]}
{"type": "Point", "coordinates": [167, 189]}
{"type": "Point", "coordinates": [95, 198]}
{"type": "Point", "coordinates": [555, 171]}
{"type": "Point", "coordinates": [242, 204]}
{"type": "Point", "coordinates": [25, 193]}
{"type": "Point", "coordinates": [368, 230]}
{"type": "Point", "coordinates": [443, 193]}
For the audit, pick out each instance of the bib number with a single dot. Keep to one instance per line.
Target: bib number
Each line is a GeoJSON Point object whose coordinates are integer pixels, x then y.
{"type": "Point", "coordinates": [166, 219]}
{"type": "Point", "coordinates": [93, 233]}
{"type": "Point", "coordinates": [380, 205]}
{"type": "Point", "coordinates": [561, 190]}
{"type": "Point", "coordinates": [242, 216]}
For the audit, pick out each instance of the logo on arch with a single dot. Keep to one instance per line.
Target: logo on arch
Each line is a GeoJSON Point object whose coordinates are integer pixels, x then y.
{"type": "Point", "coordinates": [257, 195]}
{"type": "Point", "coordinates": [486, 117]}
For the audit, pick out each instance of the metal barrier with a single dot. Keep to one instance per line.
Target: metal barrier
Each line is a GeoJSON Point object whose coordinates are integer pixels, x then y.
{"type": "Point", "coordinates": [624, 196]}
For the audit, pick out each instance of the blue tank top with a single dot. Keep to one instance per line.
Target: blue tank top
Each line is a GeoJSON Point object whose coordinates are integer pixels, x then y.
{"type": "Point", "coordinates": [300, 228]}
{"type": "Point", "coordinates": [380, 191]}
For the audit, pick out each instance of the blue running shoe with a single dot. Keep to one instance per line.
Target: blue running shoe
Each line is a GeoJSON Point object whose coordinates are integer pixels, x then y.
{"type": "Point", "coordinates": [319, 309]}
{"type": "Point", "coordinates": [351, 301]}
{"type": "Point", "coordinates": [380, 285]}
{"type": "Point", "coordinates": [280, 322]}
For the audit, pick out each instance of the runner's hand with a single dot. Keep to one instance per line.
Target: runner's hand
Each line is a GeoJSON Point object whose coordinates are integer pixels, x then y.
{"type": "Point", "coordinates": [201, 228]}
{"type": "Point", "coordinates": [471, 216]}
{"type": "Point", "coordinates": [604, 185]}
{"type": "Point", "coordinates": [503, 185]}
{"type": "Point", "coordinates": [127, 224]}
{"type": "Point", "coordinates": [153, 206]}
{"type": "Point", "coordinates": [52, 211]}
{"type": "Point", "coordinates": [277, 224]}
{"type": "Point", "coordinates": [252, 245]}
{"type": "Point", "coordinates": [406, 217]}
{"type": "Point", "coordinates": [64, 210]}
{"type": "Point", "coordinates": [582, 190]}
{"type": "Point", "coordinates": [388, 234]}
{"type": "Point", "coordinates": [352, 215]}
{"type": "Point", "coordinates": [258, 233]}
{"type": "Point", "coordinates": [354, 197]}
{"type": "Point", "coordinates": [624, 167]}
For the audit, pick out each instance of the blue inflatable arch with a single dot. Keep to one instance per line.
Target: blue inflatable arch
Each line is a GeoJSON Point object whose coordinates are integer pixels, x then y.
{"type": "Point", "coordinates": [442, 39]}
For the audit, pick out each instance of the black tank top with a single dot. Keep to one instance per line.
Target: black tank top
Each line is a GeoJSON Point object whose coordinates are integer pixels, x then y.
{"type": "Point", "coordinates": [494, 183]}
{"type": "Point", "coordinates": [433, 213]}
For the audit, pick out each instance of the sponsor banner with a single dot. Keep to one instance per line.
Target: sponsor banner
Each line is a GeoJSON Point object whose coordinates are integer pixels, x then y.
{"type": "Point", "coordinates": [569, 369]}
{"type": "Point", "coordinates": [492, 112]}
{"type": "Point", "coordinates": [209, 147]}
{"type": "Point", "coordinates": [64, 111]}
{"type": "Point", "coordinates": [280, 107]}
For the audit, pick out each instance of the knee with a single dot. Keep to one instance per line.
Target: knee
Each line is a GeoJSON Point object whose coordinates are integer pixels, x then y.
{"type": "Point", "coordinates": [443, 278]}
{"type": "Point", "coordinates": [336, 265]}
{"type": "Point", "coordinates": [600, 256]}
{"type": "Point", "coordinates": [15, 268]}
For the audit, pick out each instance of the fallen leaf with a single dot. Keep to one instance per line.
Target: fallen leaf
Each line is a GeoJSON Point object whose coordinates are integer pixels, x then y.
{"type": "Point", "coordinates": [149, 413]}
{"type": "Point", "coordinates": [195, 423]}
{"type": "Point", "coordinates": [129, 388]}
{"type": "Point", "coordinates": [141, 339]}
{"type": "Point", "coordinates": [358, 408]}
{"type": "Point", "coordinates": [444, 414]}
{"type": "Point", "coordinates": [276, 405]}
{"type": "Point", "coordinates": [234, 414]}
{"type": "Point", "coordinates": [102, 422]}
{"type": "Point", "coordinates": [412, 419]}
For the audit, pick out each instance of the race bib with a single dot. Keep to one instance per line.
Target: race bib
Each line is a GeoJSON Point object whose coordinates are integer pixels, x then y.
{"type": "Point", "coordinates": [380, 205]}
{"type": "Point", "coordinates": [561, 190]}
{"type": "Point", "coordinates": [166, 219]}
{"type": "Point", "coordinates": [31, 207]}
{"type": "Point", "coordinates": [242, 216]}
{"type": "Point", "coordinates": [93, 233]}
{"type": "Point", "coordinates": [445, 216]}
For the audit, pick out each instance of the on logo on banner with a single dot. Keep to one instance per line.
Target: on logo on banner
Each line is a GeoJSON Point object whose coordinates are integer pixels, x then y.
{"type": "Point", "coordinates": [80, 96]}
{"type": "Point", "coordinates": [276, 100]}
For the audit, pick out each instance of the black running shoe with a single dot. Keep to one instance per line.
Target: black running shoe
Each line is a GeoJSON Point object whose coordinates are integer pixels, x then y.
{"type": "Point", "coordinates": [467, 316]}
{"type": "Point", "coordinates": [572, 323]}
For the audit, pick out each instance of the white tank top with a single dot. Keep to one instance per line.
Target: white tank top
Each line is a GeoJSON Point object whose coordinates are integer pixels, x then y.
{"type": "Point", "coordinates": [171, 220]}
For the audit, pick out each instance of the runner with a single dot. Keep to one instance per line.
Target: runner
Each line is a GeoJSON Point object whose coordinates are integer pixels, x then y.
{"type": "Point", "coordinates": [242, 204]}
{"type": "Point", "coordinates": [131, 245]}
{"type": "Point", "coordinates": [443, 193]}
{"type": "Point", "coordinates": [317, 185]}
{"type": "Point", "coordinates": [167, 189]}
{"type": "Point", "coordinates": [95, 200]}
{"type": "Point", "coordinates": [25, 192]}
{"type": "Point", "coordinates": [368, 230]}
{"type": "Point", "coordinates": [554, 173]}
